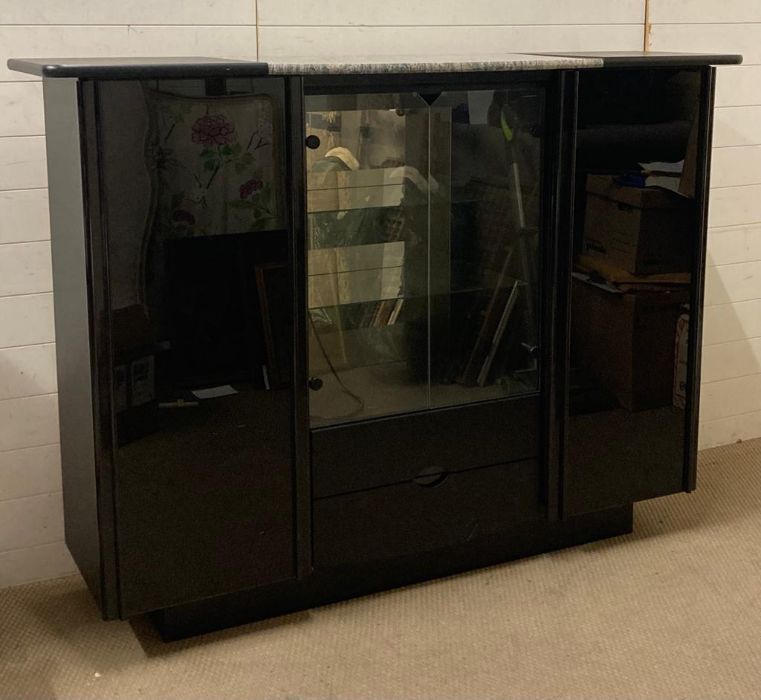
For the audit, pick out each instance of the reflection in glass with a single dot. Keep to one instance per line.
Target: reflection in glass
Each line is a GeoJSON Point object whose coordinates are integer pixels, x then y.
{"type": "Point", "coordinates": [423, 235]}
{"type": "Point", "coordinates": [197, 250]}
{"type": "Point", "coordinates": [200, 294]}
{"type": "Point", "coordinates": [633, 242]}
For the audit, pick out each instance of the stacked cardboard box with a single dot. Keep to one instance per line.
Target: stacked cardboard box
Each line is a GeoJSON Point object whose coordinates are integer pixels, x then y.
{"type": "Point", "coordinates": [630, 288]}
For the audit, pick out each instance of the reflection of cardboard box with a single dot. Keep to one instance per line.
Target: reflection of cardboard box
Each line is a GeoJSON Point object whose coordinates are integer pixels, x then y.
{"type": "Point", "coordinates": [642, 230]}
{"type": "Point", "coordinates": [626, 341]}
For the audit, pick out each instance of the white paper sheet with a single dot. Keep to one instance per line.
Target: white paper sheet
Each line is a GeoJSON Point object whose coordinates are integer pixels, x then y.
{"type": "Point", "coordinates": [214, 392]}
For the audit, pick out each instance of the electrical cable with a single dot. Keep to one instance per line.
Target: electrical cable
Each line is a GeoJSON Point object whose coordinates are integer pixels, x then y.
{"type": "Point", "coordinates": [334, 372]}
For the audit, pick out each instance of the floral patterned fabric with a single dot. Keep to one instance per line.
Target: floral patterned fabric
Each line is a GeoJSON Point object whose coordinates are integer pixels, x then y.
{"type": "Point", "coordinates": [213, 163]}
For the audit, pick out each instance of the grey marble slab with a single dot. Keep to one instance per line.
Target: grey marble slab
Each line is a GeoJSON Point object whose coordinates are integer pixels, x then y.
{"type": "Point", "coordinates": [423, 64]}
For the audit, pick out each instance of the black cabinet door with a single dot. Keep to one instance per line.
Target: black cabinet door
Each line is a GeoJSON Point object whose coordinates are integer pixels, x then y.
{"type": "Point", "coordinates": [625, 432]}
{"type": "Point", "coordinates": [199, 316]}
{"type": "Point", "coordinates": [637, 257]}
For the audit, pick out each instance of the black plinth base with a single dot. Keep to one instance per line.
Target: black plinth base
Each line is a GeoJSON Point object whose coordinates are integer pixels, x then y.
{"type": "Point", "coordinates": [323, 587]}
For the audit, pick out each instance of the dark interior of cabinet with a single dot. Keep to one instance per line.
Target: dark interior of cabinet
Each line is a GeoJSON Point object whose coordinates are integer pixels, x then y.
{"type": "Point", "coordinates": [636, 237]}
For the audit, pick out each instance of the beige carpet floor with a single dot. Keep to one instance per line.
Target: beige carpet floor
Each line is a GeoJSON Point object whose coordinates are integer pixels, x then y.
{"type": "Point", "coordinates": [672, 611]}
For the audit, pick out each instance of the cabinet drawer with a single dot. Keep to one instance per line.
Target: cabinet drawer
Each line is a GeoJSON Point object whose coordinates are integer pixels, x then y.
{"type": "Point", "coordinates": [395, 449]}
{"type": "Point", "coordinates": [413, 517]}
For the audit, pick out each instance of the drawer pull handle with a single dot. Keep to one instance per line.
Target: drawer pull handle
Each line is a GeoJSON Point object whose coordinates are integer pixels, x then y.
{"type": "Point", "coordinates": [430, 479]}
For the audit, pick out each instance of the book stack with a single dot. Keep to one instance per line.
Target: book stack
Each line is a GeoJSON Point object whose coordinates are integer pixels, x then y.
{"type": "Point", "coordinates": [382, 313]}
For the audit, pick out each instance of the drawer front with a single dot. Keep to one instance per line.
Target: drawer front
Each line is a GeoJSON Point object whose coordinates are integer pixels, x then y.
{"type": "Point", "coordinates": [414, 517]}
{"type": "Point", "coordinates": [399, 448]}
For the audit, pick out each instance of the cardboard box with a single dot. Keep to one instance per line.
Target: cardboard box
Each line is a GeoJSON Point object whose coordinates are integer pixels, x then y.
{"type": "Point", "coordinates": [626, 341]}
{"type": "Point", "coordinates": [644, 230]}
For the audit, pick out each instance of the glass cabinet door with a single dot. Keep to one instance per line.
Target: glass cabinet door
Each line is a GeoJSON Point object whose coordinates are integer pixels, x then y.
{"type": "Point", "coordinates": [423, 237]}
{"type": "Point", "coordinates": [484, 254]}
{"type": "Point", "coordinates": [367, 203]}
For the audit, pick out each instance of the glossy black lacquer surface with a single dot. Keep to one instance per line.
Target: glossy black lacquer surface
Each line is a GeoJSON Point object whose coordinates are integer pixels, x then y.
{"type": "Point", "coordinates": [633, 272]}
{"type": "Point", "coordinates": [136, 68]}
{"type": "Point", "coordinates": [195, 227]}
{"type": "Point", "coordinates": [653, 59]}
{"type": "Point", "coordinates": [425, 515]}
{"type": "Point", "coordinates": [424, 444]}
{"type": "Point", "coordinates": [88, 513]}
{"type": "Point", "coordinates": [698, 270]}
{"type": "Point", "coordinates": [364, 577]}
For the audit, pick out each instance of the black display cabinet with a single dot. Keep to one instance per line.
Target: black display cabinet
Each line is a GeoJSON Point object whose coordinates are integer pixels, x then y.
{"type": "Point", "coordinates": [324, 329]}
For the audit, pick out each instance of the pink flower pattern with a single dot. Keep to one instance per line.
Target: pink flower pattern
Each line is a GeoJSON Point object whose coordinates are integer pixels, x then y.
{"type": "Point", "coordinates": [213, 130]}
{"type": "Point", "coordinates": [208, 180]}
{"type": "Point", "coordinates": [250, 187]}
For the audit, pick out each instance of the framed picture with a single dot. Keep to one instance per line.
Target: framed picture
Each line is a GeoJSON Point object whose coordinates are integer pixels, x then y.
{"type": "Point", "coordinates": [213, 162]}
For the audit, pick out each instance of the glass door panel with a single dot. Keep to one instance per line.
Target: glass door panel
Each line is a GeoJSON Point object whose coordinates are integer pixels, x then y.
{"type": "Point", "coordinates": [423, 240]}
{"type": "Point", "coordinates": [367, 206]}
{"type": "Point", "coordinates": [484, 257]}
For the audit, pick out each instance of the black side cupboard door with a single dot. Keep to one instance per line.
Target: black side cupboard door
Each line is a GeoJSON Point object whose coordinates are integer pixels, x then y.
{"type": "Point", "coordinates": [637, 258]}
{"type": "Point", "coordinates": [197, 290]}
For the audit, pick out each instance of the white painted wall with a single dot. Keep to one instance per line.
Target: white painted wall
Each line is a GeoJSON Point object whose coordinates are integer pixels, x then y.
{"type": "Point", "coordinates": [31, 528]}
{"type": "Point", "coordinates": [31, 523]}
{"type": "Point", "coordinates": [731, 391]}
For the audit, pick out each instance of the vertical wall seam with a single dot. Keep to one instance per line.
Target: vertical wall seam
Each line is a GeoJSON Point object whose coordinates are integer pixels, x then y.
{"type": "Point", "coordinates": [647, 28]}
{"type": "Point", "coordinates": [256, 23]}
